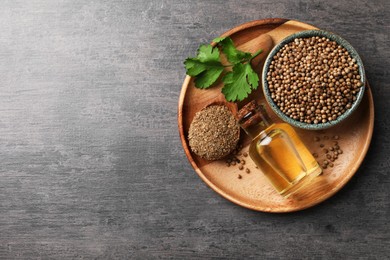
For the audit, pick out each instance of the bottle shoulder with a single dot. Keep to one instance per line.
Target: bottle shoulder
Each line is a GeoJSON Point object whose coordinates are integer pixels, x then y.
{"type": "Point", "coordinates": [283, 126]}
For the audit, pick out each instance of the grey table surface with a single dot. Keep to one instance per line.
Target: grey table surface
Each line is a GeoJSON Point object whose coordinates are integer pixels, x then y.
{"type": "Point", "coordinates": [91, 160]}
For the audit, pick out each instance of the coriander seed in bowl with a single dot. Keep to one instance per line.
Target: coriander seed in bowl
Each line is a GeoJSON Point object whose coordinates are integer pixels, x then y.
{"type": "Point", "coordinates": [313, 79]}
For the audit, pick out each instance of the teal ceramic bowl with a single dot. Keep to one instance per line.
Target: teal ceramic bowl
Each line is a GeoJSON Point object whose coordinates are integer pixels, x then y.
{"type": "Point", "coordinates": [306, 34]}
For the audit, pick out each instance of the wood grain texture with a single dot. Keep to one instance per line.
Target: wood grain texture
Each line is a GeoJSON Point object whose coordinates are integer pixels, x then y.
{"type": "Point", "coordinates": [91, 161]}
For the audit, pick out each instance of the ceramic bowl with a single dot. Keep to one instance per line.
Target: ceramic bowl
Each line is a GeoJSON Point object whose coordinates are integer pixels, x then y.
{"type": "Point", "coordinates": [305, 34]}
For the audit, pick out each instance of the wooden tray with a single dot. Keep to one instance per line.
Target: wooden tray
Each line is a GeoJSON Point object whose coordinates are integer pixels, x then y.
{"type": "Point", "coordinates": [253, 190]}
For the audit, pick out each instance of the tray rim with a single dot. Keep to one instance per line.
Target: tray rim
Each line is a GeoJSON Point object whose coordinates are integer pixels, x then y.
{"type": "Point", "coordinates": [232, 199]}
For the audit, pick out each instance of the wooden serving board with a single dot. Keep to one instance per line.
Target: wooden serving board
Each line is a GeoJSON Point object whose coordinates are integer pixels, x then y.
{"type": "Point", "coordinates": [253, 190]}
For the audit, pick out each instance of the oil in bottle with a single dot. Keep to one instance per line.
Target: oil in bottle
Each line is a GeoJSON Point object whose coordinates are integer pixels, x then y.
{"type": "Point", "coordinates": [277, 150]}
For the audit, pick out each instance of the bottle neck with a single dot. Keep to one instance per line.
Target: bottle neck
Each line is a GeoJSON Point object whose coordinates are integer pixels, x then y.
{"type": "Point", "coordinates": [254, 119]}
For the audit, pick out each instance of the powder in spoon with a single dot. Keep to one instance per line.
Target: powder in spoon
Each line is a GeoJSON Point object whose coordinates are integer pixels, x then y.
{"type": "Point", "coordinates": [214, 132]}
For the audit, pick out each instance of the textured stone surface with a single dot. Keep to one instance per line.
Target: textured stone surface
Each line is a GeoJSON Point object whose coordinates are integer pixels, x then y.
{"type": "Point", "coordinates": [90, 156]}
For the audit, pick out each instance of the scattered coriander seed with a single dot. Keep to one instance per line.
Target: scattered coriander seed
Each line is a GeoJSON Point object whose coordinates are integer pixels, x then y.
{"type": "Point", "coordinates": [240, 167]}
{"type": "Point", "coordinates": [233, 163]}
{"type": "Point", "coordinates": [228, 164]}
{"type": "Point", "coordinates": [322, 145]}
{"type": "Point", "coordinates": [243, 162]}
{"type": "Point", "coordinates": [330, 154]}
{"type": "Point", "coordinates": [247, 170]}
{"type": "Point", "coordinates": [315, 155]}
{"type": "Point", "coordinates": [245, 154]}
{"type": "Point", "coordinates": [336, 137]}
{"type": "Point", "coordinates": [326, 162]}
{"type": "Point", "coordinates": [239, 176]}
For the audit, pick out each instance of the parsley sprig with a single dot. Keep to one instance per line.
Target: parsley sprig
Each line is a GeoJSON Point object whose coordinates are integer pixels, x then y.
{"type": "Point", "coordinates": [207, 68]}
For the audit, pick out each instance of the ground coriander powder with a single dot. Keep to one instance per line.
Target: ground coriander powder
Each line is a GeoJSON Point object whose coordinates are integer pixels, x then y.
{"type": "Point", "coordinates": [214, 132]}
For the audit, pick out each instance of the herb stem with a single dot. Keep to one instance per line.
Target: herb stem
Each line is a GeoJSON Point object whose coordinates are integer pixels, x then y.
{"type": "Point", "coordinates": [256, 54]}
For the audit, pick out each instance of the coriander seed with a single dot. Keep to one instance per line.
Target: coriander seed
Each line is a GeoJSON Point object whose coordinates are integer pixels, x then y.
{"type": "Point", "coordinates": [313, 80]}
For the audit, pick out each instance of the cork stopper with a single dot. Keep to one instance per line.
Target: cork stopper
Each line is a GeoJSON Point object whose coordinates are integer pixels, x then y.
{"type": "Point", "coordinates": [253, 118]}
{"type": "Point", "coordinates": [247, 109]}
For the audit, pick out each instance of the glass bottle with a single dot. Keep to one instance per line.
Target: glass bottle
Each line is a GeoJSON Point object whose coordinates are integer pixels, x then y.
{"type": "Point", "coordinates": [277, 150]}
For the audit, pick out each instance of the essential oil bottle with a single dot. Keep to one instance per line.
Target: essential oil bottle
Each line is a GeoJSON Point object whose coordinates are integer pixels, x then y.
{"type": "Point", "coordinates": [277, 150]}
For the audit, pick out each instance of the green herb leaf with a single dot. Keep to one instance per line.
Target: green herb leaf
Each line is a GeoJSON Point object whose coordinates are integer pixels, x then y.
{"type": "Point", "coordinates": [233, 55]}
{"type": "Point", "coordinates": [240, 82]}
{"type": "Point", "coordinates": [206, 67]}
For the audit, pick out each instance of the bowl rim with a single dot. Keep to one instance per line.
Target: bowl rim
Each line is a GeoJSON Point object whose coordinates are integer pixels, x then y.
{"type": "Point", "coordinates": [305, 34]}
